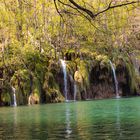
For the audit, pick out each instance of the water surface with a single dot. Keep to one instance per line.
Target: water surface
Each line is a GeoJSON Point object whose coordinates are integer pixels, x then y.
{"type": "Point", "coordinates": [98, 119]}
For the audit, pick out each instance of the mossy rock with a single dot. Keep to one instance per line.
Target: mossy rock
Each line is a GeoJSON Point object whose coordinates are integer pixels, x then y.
{"type": "Point", "coordinates": [71, 67]}
{"type": "Point", "coordinates": [6, 98]}
{"type": "Point", "coordinates": [33, 99]}
{"type": "Point", "coordinates": [54, 96]}
{"type": "Point", "coordinates": [101, 57]}
{"type": "Point", "coordinates": [78, 77]}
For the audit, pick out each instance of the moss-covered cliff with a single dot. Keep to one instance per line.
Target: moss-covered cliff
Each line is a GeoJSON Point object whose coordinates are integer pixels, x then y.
{"type": "Point", "coordinates": [40, 79]}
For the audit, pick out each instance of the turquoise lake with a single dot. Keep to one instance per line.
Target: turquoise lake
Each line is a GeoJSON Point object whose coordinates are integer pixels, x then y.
{"type": "Point", "coordinates": [110, 119]}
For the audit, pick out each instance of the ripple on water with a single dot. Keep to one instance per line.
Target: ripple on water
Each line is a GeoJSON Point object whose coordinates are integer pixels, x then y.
{"type": "Point", "coordinates": [104, 119]}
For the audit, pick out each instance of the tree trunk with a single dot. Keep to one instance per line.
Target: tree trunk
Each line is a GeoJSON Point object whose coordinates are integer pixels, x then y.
{"type": "Point", "coordinates": [1, 78]}
{"type": "Point", "coordinates": [31, 84]}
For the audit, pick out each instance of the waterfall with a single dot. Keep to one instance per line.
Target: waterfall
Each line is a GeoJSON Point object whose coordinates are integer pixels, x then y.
{"type": "Point", "coordinates": [75, 91]}
{"type": "Point", "coordinates": [115, 79]}
{"type": "Point", "coordinates": [29, 100]}
{"type": "Point", "coordinates": [14, 97]}
{"type": "Point", "coordinates": [65, 78]}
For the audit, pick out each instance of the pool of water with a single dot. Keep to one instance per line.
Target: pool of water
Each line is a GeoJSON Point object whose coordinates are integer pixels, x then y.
{"type": "Point", "coordinates": [98, 119]}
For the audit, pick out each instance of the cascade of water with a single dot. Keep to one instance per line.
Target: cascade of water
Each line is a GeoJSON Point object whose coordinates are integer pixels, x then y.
{"type": "Point", "coordinates": [115, 79]}
{"type": "Point", "coordinates": [29, 100]}
{"type": "Point", "coordinates": [65, 77]}
{"type": "Point", "coordinates": [14, 96]}
{"type": "Point", "coordinates": [75, 91]}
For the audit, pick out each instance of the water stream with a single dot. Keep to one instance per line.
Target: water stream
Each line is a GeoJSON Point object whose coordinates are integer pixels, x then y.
{"type": "Point", "coordinates": [63, 64]}
{"type": "Point", "coordinates": [115, 80]}
{"type": "Point", "coordinates": [14, 97]}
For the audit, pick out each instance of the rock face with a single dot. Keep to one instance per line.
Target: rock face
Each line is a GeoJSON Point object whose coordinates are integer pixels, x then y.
{"type": "Point", "coordinates": [70, 85]}
{"type": "Point", "coordinates": [33, 99]}
{"type": "Point", "coordinates": [86, 79]}
{"type": "Point", "coordinates": [101, 83]}
{"type": "Point", "coordinates": [123, 79]}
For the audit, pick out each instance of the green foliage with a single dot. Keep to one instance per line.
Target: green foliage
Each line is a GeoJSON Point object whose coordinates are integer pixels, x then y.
{"type": "Point", "coordinates": [6, 98]}
{"type": "Point", "coordinates": [33, 37]}
{"type": "Point", "coordinates": [133, 81]}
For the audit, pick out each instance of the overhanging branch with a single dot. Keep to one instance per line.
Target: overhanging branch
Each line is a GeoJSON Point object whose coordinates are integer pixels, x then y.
{"type": "Point", "coordinates": [116, 6]}
{"type": "Point", "coordinates": [74, 5]}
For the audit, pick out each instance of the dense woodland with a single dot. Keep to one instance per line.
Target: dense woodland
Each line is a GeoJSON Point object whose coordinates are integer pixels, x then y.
{"type": "Point", "coordinates": [36, 34]}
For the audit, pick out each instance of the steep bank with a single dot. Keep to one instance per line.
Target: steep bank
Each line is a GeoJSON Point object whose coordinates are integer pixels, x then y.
{"type": "Point", "coordinates": [88, 77]}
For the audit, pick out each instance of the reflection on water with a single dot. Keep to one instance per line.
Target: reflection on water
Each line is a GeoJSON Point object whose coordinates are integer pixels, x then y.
{"type": "Point", "coordinates": [15, 124]}
{"type": "Point", "coordinates": [118, 121]}
{"type": "Point", "coordinates": [68, 122]}
{"type": "Point", "coordinates": [103, 119]}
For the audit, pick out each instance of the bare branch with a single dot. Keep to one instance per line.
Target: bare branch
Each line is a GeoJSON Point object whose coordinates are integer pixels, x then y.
{"type": "Point", "coordinates": [116, 6]}
{"type": "Point", "coordinates": [57, 9]}
{"type": "Point", "coordinates": [74, 5]}
{"type": "Point", "coordinates": [90, 13]}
